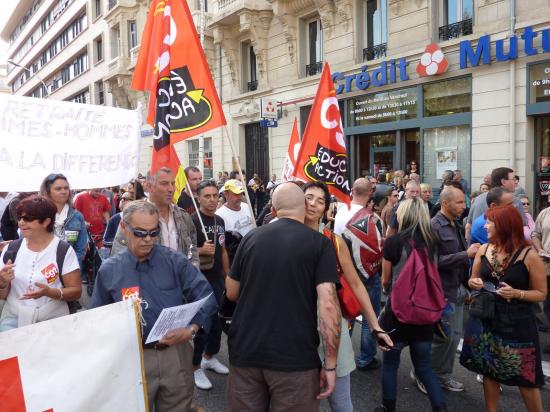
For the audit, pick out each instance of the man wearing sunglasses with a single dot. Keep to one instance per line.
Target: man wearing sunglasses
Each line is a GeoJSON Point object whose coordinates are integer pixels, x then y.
{"type": "Point", "coordinates": [158, 278]}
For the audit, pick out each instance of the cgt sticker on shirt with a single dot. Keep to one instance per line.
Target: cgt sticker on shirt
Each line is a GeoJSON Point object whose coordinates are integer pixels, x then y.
{"type": "Point", "coordinates": [130, 293]}
{"type": "Point", "coordinates": [51, 273]}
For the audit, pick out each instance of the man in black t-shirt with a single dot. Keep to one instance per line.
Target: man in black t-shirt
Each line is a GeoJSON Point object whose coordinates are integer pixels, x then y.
{"type": "Point", "coordinates": [273, 337]}
{"type": "Point", "coordinates": [194, 177]}
{"type": "Point", "coordinates": [206, 346]}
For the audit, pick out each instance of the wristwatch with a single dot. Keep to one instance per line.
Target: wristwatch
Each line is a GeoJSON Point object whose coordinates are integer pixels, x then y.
{"type": "Point", "coordinates": [193, 332]}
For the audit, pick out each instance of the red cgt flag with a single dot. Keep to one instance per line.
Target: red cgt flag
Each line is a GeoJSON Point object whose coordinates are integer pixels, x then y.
{"type": "Point", "coordinates": [323, 155]}
{"type": "Point", "coordinates": [292, 154]}
{"type": "Point", "coordinates": [183, 101]}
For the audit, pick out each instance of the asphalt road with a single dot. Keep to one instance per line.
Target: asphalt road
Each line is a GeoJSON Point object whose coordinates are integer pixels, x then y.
{"type": "Point", "coordinates": [366, 389]}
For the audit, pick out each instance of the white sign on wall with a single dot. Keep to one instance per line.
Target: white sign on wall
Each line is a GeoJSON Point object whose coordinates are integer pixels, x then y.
{"type": "Point", "coordinates": [268, 109]}
{"type": "Point", "coordinates": [93, 146]}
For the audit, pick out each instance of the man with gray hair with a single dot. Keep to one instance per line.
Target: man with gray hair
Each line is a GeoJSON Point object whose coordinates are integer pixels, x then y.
{"type": "Point", "coordinates": [159, 278]}
{"type": "Point", "coordinates": [273, 338]}
{"type": "Point", "coordinates": [412, 190]}
{"type": "Point", "coordinates": [177, 229]}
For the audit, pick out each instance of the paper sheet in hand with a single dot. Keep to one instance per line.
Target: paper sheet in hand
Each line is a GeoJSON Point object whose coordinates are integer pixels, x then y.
{"type": "Point", "coordinates": [174, 318]}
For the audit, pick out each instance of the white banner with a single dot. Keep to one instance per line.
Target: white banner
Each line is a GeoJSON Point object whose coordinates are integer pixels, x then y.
{"type": "Point", "coordinates": [94, 146]}
{"type": "Point", "coordinates": [89, 361]}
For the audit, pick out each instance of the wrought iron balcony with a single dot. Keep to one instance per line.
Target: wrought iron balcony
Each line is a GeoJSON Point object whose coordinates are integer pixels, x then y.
{"type": "Point", "coordinates": [374, 52]}
{"type": "Point", "coordinates": [455, 30]}
{"type": "Point", "coordinates": [314, 68]}
{"type": "Point", "coordinates": [253, 85]}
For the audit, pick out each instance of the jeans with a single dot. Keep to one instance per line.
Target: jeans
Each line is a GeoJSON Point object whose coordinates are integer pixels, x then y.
{"type": "Point", "coordinates": [368, 344]}
{"type": "Point", "coordinates": [340, 400]}
{"type": "Point", "coordinates": [209, 343]}
{"type": "Point", "coordinates": [421, 359]}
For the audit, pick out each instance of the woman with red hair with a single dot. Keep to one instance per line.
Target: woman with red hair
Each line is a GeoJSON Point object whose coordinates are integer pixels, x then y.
{"type": "Point", "coordinates": [501, 340]}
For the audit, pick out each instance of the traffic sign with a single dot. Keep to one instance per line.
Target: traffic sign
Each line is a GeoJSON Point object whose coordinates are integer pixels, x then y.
{"type": "Point", "coordinates": [268, 123]}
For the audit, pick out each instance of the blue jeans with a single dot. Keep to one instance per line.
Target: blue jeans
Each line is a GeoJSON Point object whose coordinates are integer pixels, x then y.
{"type": "Point", "coordinates": [368, 344]}
{"type": "Point", "coordinates": [421, 359]}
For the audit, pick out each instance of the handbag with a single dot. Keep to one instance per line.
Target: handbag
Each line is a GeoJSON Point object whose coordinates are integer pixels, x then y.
{"type": "Point", "coordinates": [225, 312]}
{"type": "Point", "coordinates": [349, 304]}
{"type": "Point", "coordinates": [207, 261]}
{"type": "Point", "coordinates": [483, 305]}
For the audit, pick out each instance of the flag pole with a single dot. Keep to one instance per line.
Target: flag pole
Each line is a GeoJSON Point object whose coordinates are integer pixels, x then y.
{"type": "Point", "coordinates": [188, 187]}
{"type": "Point", "coordinates": [224, 128]}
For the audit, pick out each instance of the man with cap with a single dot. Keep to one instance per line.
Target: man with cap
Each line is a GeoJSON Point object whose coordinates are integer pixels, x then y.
{"type": "Point", "coordinates": [237, 217]}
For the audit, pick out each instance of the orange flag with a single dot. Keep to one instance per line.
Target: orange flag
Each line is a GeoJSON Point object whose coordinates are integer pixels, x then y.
{"type": "Point", "coordinates": [292, 154]}
{"type": "Point", "coordinates": [323, 155]}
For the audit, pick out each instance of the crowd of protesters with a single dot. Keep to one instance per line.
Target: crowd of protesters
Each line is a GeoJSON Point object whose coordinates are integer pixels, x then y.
{"type": "Point", "coordinates": [289, 339]}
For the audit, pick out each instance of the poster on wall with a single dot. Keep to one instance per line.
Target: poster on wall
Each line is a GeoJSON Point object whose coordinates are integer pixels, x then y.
{"type": "Point", "coordinates": [446, 159]}
{"type": "Point", "coordinates": [544, 164]}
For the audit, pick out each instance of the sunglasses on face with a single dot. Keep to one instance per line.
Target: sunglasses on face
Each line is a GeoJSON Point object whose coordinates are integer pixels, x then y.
{"type": "Point", "coordinates": [26, 218]}
{"type": "Point", "coordinates": [144, 233]}
{"type": "Point", "coordinates": [525, 203]}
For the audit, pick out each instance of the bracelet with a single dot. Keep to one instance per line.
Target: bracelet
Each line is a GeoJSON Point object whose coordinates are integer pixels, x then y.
{"type": "Point", "coordinates": [61, 292]}
{"type": "Point", "coordinates": [328, 369]}
{"type": "Point", "coordinates": [521, 294]}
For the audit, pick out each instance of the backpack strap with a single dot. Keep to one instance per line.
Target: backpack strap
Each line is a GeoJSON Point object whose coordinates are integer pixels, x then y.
{"type": "Point", "coordinates": [11, 252]}
{"type": "Point", "coordinates": [61, 252]}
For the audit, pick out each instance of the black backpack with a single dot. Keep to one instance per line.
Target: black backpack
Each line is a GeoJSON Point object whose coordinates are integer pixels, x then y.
{"type": "Point", "coordinates": [62, 248]}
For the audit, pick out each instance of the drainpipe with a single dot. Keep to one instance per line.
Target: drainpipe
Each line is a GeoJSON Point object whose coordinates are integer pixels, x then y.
{"type": "Point", "coordinates": [512, 91]}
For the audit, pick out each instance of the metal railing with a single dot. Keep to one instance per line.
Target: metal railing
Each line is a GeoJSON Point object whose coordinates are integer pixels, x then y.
{"type": "Point", "coordinates": [314, 68]}
{"type": "Point", "coordinates": [456, 30]}
{"type": "Point", "coordinates": [253, 85]}
{"type": "Point", "coordinates": [374, 52]}
{"type": "Point", "coordinates": [134, 53]}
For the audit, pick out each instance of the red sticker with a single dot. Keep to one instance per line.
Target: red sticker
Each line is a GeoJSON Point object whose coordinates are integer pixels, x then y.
{"type": "Point", "coordinates": [130, 293]}
{"type": "Point", "coordinates": [51, 273]}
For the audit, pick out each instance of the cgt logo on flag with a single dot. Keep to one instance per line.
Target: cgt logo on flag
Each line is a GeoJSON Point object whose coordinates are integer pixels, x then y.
{"type": "Point", "coordinates": [432, 61]}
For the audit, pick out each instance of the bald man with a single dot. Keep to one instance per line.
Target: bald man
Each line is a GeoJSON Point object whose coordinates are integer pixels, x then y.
{"type": "Point", "coordinates": [453, 265]}
{"type": "Point", "coordinates": [361, 193]}
{"type": "Point", "coordinates": [273, 339]}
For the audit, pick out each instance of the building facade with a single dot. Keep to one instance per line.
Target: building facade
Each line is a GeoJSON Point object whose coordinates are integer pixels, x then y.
{"type": "Point", "coordinates": [448, 84]}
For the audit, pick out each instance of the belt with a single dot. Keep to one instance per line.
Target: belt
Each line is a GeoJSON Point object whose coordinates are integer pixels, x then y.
{"type": "Point", "coordinates": [156, 346]}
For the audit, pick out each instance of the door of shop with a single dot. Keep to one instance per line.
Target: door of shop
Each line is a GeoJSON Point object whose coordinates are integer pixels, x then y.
{"type": "Point", "coordinates": [257, 151]}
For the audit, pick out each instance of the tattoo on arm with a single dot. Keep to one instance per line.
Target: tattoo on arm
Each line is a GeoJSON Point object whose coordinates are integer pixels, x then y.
{"type": "Point", "coordinates": [330, 319]}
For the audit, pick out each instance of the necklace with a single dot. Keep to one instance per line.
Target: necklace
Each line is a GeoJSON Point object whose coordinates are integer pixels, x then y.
{"type": "Point", "coordinates": [497, 267]}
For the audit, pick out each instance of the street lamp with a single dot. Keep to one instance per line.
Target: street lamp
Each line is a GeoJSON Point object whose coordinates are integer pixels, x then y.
{"type": "Point", "coordinates": [32, 74]}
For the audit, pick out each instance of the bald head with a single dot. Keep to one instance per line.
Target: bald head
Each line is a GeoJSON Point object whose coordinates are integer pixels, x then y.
{"type": "Point", "coordinates": [452, 202]}
{"type": "Point", "coordinates": [361, 191]}
{"type": "Point", "coordinates": [289, 201]}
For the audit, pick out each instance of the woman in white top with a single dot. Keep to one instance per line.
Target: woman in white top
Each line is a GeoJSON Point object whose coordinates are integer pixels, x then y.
{"type": "Point", "coordinates": [31, 284]}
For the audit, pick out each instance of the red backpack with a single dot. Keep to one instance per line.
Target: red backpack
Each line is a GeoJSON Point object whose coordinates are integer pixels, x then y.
{"type": "Point", "coordinates": [363, 235]}
{"type": "Point", "coordinates": [417, 296]}
{"type": "Point", "coordinates": [349, 304]}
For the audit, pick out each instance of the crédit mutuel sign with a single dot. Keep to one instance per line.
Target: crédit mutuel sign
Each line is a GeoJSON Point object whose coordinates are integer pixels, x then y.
{"type": "Point", "coordinates": [432, 61]}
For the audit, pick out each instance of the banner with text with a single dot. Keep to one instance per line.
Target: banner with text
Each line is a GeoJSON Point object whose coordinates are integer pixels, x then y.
{"type": "Point", "coordinates": [89, 361]}
{"type": "Point", "coordinates": [93, 146]}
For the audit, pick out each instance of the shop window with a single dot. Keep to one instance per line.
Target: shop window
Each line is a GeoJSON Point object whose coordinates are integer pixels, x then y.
{"type": "Point", "coordinates": [208, 170]}
{"type": "Point", "coordinates": [448, 97]}
{"type": "Point", "coordinates": [314, 44]}
{"type": "Point", "coordinates": [542, 137]}
{"type": "Point", "coordinates": [446, 148]}
{"type": "Point", "coordinates": [383, 107]}
{"type": "Point", "coordinates": [457, 19]}
{"type": "Point", "coordinates": [193, 152]}
{"type": "Point", "coordinates": [376, 29]}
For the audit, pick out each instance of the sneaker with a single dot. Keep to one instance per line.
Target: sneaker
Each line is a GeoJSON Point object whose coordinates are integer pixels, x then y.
{"type": "Point", "coordinates": [419, 384]}
{"type": "Point", "coordinates": [453, 386]}
{"type": "Point", "coordinates": [372, 365]}
{"type": "Point", "coordinates": [215, 365]}
{"type": "Point", "coordinates": [201, 381]}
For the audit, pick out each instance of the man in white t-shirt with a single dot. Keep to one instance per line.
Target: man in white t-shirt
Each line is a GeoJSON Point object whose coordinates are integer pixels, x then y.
{"type": "Point", "coordinates": [237, 217]}
{"type": "Point", "coordinates": [361, 193]}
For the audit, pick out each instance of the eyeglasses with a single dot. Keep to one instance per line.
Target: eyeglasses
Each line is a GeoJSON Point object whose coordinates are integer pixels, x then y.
{"type": "Point", "coordinates": [525, 203]}
{"type": "Point", "coordinates": [26, 218]}
{"type": "Point", "coordinates": [54, 176]}
{"type": "Point", "coordinates": [144, 233]}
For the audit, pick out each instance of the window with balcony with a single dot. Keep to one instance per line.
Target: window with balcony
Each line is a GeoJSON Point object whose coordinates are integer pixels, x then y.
{"type": "Point", "coordinates": [97, 9]}
{"type": "Point", "coordinates": [314, 47]}
{"type": "Point", "coordinates": [98, 50]}
{"type": "Point", "coordinates": [250, 79]}
{"type": "Point", "coordinates": [132, 34]}
{"type": "Point", "coordinates": [457, 19]}
{"type": "Point", "coordinates": [375, 29]}
{"type": "Point", "coordinates": [100, 93]}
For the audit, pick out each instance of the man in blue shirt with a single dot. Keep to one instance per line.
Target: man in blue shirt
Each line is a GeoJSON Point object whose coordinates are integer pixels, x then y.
{"type": "Point", "coordinates": [159, 278]}
{"type": "Point", "coordinates": [497, 196]}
